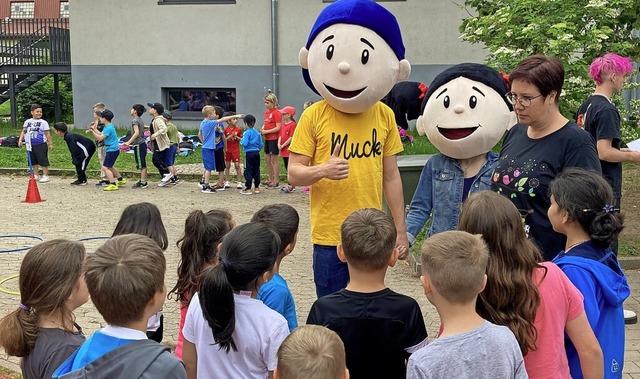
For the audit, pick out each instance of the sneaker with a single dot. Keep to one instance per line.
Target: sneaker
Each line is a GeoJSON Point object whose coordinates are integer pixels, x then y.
{"type": "Point", "coordinates": [111, 187]}
{"type": "Point", "coordinates": [78, 183]}
{"type": "Point", "coordinates": [103, 183]}
{"type": "Point", "coordinates": [174, 180]}
{"type": "Point", "coordinates": [257, 190]}
{"type": "Point", "coordinates": [121, 182]}
{"type": "Point", "coordinates": [140, 184]}
{"type": "Point", "coordinates": [219, 187]}
{"type": "Point", "coordinates": [306, 190]}
{"type": "Point", "coordinates": [227, 185]}
{"type": "Point", "coordinates": [166, 177]}
{"type": "Point", "coordinates": [630, 317]}
{"type": "Point", "coordinates": [239, 185]}
{"type": "Point", "coordinates": [246, 192]}
{"type": "Point", "coordinates": [44, 179]}
{"type": "Point", "coordinates": [207, 189]}
{"type": "Point", "coordinates": [163, 183]}
{"type": "Point", "coordinates": [36, 177]}
{"type": "Point", "coordinates": [201, 184]}
{"type": "Point", "coordinates": [287, 189]}
{"type": "Point", "coordinates": [275, 185]}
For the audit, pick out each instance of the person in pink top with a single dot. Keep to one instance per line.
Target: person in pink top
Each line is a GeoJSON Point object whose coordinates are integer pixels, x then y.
{"type": "Point", "coordinates": [535, 300]}
{"type": "Point", "coordinates": [198, 246]}
{"type": "Point", "coordinates": [286, 134]}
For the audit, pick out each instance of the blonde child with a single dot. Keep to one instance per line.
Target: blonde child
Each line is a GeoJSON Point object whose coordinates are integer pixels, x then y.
{"type": "Point", "coordinates": [228, 333]}
{"type": "Point", "coordinates": [311, 351]}
{"type": "Point", "coordinates": [535, 300]}
{"type": "Point", "coordinates": [198, 246]}
{"type": "Point", "coordinates": [286, 134]}
{"type": "Point", "coordinates": [42, 330]}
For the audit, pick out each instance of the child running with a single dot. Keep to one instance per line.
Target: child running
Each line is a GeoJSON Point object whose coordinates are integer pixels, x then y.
{"type": "Point", "coordinates": [229, 333]}
{"type": "Point", "coordinates": [535, 300]}
{"type": "Point", "coordinates": [37, 136]}
{"type": "Point", "coordinates": [198, 246]}
{"type": "Point", "coordinates": [42, 329]}
{"type": "Point", "coordinates": [233, 135]}
{"type": "Point", "coordinates": [284, 220]}
{"type": "Point", "coordinates": [139, 144]}
{"type": "Point", "coordinates": [311, 351]}
{"type": "Point", "coordinates": [252, 144]}
{"type": "Point", "coordinates": [125, 277]}
{"type": "Point", "coordinates": [284, 140]}
{"type": "Point", "coordinates": [582, 208]}
{"type": "Point", "coordinates": [145, 219]}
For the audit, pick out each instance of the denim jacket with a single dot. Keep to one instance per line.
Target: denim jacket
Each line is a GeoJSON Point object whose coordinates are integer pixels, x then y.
{"type": "Point", "coordinates": [439, 194]}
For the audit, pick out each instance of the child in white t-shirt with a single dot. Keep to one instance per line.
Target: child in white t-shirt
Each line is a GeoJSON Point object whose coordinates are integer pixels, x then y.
{"type": "Point", "coordinates": [228, 333]}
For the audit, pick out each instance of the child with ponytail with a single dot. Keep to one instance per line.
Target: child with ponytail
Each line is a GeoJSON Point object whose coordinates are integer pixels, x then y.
{"type": "Point", "coordinates": [228, 333]}
{"type": "Point", "coordinates": [42, 328]}
{"type": "Point", "coordinates": [582, 209]}
{"type": "Point", "coordinates": [198, 250]}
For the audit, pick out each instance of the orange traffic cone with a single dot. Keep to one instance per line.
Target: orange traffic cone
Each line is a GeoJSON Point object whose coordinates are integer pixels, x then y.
{"type": "Point", "coordinates": [33, 195]}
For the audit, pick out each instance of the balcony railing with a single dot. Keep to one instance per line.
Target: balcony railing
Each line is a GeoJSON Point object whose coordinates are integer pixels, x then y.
{"type": "Point", "coordinates": [35, 42]}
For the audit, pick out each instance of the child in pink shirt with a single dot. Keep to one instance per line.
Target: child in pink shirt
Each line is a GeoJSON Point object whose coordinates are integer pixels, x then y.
{"type": "Point", "coordinates": [535, 300]}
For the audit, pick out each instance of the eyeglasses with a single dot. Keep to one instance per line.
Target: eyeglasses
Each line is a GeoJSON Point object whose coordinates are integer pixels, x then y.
{"type": "Point", "coordinates": [525, 101]}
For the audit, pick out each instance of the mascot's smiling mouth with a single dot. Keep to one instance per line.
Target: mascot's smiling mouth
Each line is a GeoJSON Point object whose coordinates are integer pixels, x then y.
{"type": "Point", "coordinates": [344, 94]}
{"type": "Point", "coordinates": [459, 133]}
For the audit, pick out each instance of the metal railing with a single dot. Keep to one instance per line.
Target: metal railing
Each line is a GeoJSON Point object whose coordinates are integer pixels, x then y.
{"type": "Point", "coordinates": [35, 42]}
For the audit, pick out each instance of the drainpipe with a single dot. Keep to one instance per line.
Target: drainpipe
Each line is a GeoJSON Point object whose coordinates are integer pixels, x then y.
{"type": "Point", "coordinates": [274, 49]}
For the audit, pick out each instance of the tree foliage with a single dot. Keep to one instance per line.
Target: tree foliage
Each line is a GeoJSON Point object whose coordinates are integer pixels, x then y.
{"type": "Point", "coordinates": [575, 31]}
{"type": "Point", "coordinates": [42, 92]}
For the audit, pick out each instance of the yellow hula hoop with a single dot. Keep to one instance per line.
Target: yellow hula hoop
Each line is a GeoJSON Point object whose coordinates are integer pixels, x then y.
{"type": "Point", "coordinates": [3, 281]}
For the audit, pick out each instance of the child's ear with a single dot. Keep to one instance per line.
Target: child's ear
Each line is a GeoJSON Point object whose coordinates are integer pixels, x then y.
{"type": "Point", "coordinates": [394, 257]}
{"type": "Point", "coordinates": [341, 255]}
{"type": "Point", "coordinates": [346, 373]}
{"type": "Point", "coordinates": [426, 284]}
{"type": "Point", "coordinates": [157, 301]}
{"type": "Point", "coordinates": [275, 373]}
{"type": "Point", "coordinates": [484, 283]}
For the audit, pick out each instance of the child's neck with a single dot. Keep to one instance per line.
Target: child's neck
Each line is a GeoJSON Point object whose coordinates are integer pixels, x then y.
{"type": "Point", "coordinates": [56, 320]}
{"type": "Point", "coordinates": [458, 318]}
{"type": "Point", "coordinates": [140, 325]}
{"type": "Point", "coordinates": [575, 236]}
{"type": "Point", "coordinates": [366, 281]}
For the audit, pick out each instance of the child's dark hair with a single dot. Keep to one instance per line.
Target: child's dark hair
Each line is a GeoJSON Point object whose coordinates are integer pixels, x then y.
{"type": "Point", "coordinates": [202, 234]}
{"type": "Point", "coordinates": [123, 275]}
{"type": "Point", "coordinates": [61, 127]}
{"type": "Point", "coordinates": [219, 110]}
{"type": "Point", "coordinates": [588, 199]}
{"type": "Point", "coordinates": [143, 218]}
{"type": "Point", "coordinates": [250, 120]}
{"type": "Point", "coordinates": [247, 253]}
{"type": "Point", "coordinates": [35, 106]}
{"type": "Point", "coordinates": [282, 218]}
{"type": "Point", "coordinates": [139, 108]}
{"type": "Point", "coordinates": [48, 274]}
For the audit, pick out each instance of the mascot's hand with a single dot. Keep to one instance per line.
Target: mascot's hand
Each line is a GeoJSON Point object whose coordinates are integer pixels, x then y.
{"type": "Point", "coordinates": [336, 168]}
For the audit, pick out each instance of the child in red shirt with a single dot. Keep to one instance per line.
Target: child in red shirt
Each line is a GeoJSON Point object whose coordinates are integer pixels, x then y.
{"type": "Point", "coordinates": [286, 133]}
{"type": "Point", "coordinates": [233, 134]}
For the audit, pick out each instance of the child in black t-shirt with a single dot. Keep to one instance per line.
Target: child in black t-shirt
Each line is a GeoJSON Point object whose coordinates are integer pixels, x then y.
{"type": "Point", "coordinates": [380, 328]}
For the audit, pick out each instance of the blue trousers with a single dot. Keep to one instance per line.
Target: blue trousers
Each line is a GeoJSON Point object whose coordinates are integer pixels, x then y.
{"type": "Point", "coordinates": [329, 273]}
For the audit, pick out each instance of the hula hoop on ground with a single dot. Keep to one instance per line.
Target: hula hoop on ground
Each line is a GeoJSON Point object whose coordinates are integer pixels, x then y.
{"type": "Point", "coordinates": [3, 281]}
{"type": "Point", "coordinates": [93, 238]}
{"type": "Point", "coordinates": [24, 248]}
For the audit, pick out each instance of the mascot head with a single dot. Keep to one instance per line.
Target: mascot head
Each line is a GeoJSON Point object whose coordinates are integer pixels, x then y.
{"type": "Point", "coordinates": [354, 55]}
{"type": "Point", "coordinates": [465, 111]}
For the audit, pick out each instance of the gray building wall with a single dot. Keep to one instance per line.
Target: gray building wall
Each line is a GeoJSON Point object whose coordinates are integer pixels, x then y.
{"type": "Point", "coordinates": [129, 51]}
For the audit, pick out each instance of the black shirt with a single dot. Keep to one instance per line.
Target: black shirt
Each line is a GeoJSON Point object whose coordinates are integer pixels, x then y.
{"type": "Point", "coordinates": [527, 166]}
{"type": "Point", "coordinates": [601, 119]}
{"type": "Point", "coordinates": [376, 329]}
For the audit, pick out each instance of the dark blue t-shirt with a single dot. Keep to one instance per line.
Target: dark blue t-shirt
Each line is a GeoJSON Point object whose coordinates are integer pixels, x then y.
{"type": "Point", "coordinates": [527, 166]}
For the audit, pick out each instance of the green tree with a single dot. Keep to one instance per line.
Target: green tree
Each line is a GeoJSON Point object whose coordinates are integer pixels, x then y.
{"type": "Point", "coordinates": [42, 93]}
{"type": "Point", "coordinates": [575, 31]}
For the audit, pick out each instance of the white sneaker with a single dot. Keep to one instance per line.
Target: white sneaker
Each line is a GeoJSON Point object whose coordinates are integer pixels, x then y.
{"type": "Point", "coordinates": [239, 185]}
{"type": "Point", "coordinates": [163, 183]}
{"type": "Point", "coordinates": [166, 178]}
{"type": "Point", "coordinates": [630, 317]}
{"type": "Point", "coordinates": [227, 185]}
{"type": "Point", "coordinates": [36, 177]}
{"type": "Point", "coordinates": [44, 179]}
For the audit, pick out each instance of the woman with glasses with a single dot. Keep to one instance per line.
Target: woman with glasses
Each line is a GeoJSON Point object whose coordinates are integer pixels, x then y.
{"type": "Point", "coordinates": [539, 146]}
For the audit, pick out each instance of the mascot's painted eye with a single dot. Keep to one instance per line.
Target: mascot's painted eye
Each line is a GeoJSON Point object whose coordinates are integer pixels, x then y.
{"type": "Point", "coordinates": [365, 56]}
{"type": "Point", "coordinates": [330, 52]}
{"type": "Point", "coordinates": [473, 101]}
{"type": "Point", "coordinates": [447, 101]}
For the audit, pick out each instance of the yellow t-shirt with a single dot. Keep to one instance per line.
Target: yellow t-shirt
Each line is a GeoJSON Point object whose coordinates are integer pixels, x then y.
{"type": "Point", "coordinates": [365, 139]}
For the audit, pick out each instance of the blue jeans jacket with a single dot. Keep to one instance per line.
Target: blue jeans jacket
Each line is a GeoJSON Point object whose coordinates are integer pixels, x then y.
{"type": "Point", "coordinates": [439, 194]}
